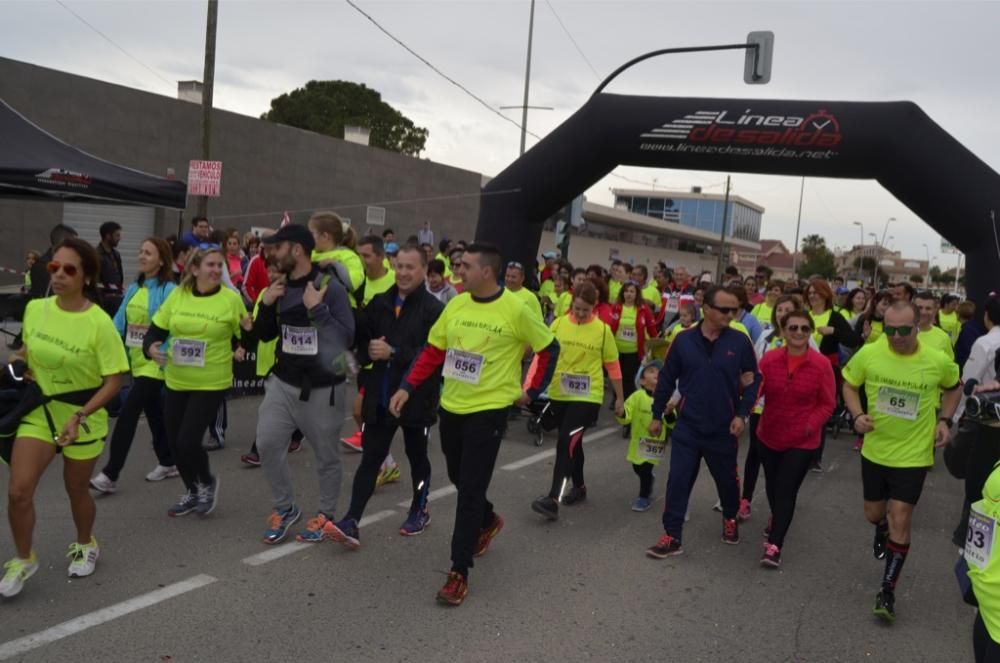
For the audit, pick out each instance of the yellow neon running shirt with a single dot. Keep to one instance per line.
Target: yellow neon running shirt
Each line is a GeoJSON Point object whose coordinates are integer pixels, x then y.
{"type": "Point", "coordinates": [583, 351]}
{"type": "Point", "coordinates": [638, 416]}
{"type": "Point", "coordinates": [447, 265]}
{"type": "Point", "coordinates": [378, 286]}
{"type": "Point", "coordinates": [547, 290]}
{"type": "Point", "coordinates": [651, 295]}
{"type": "Point", "coordinates": [564, 303]}
{"type": "Point", "coordinates": [614, 289]}
{"type": "Point", "coordinates": [937, 338]}
{"type": "Point", "coordinates": [627, 337]}
{"type": "Point", "coordinates": [351, 262]}
{"type": "Point", "coordinates": [201, 331]}
{"type": "Point", "coordinates": [903, 394]}
{"type": "Point", "coordinates": [266, 350]}
{"type": "Point", "coordinates": [529, 299]}
{"type": "Point", "coordinates": [484, 343]}
{"type": "Point", "coordinates": [951, 325]}
{"type": "Point", "coordinates": [137, 322]}
{"type": "Point", "coordinates": [69, 351]}
{"type": "Point", "coordinates": [982, 554]}
{"type": "Point", "coordinates": [876, 331]}
{"type": "Point", "coordinates": [739, 326]}
{"type": "Point", "coordinates": [763, 313]}
{"type": "Point", "coordinates": [821, 320]}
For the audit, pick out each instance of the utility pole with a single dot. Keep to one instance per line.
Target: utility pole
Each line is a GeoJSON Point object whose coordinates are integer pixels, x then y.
{"type": "Point", "coordinates": [722, 238]}
{"type": "Point", "coordinates": [208, 87]}
{"type": "Point", "coordinates": [527, 79]}
{"type": "Point", "coordinates": [798, 224]}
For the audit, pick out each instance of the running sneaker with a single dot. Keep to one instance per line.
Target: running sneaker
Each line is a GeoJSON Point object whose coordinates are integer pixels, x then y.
{"type": "Point", "coordinates": [208, 495]}
{"type": "Point", "coordinates": [547, 507]}
{"type": "Point", "coordinates": [344, 532]}
{"type": "Point", "coordinates": [251, 459]}
{"type": "Point", "coordinates": [641, 504]}
{"type": "Point", "coordinates": [858, 443]}
{"type": "Point", "coordinates": [816, 467]}
{"type": "Point", "coordinates": [313, 533]}
{"type": "Point", "coordinates": [885, 606]}
{"type": "Point", "coordinates": [161, 472]}
{"type": "Point", "coordinates": [83, 558]}
{"type": "Point", "coordinates": [772, 556]}
{"type": "Point", "coordinates": [767, 530]}
{"type": "Point", "coordinates": [744, 512]}
{"type": "Point", "coordinates": [279, 522]}
{"type": "Point", "coordinates": [575, 496]}
{"type": "Point", "coordinates": [455, 590]}
{"type": "Point", "coordinates": [294, 446]}
{"type": "Point", "coordinates": [487, 535]}
{"type": "Point", "coordinates": [388, 474]}
{"type": "Point", "coordinates": [185, 505]}
{"type": "Point", "coordinates": [667, 546]}
{"type": "Point", "coordinates": [213, 444]}
{"type": "Point", "coordinates": [730, 531]}
{"type": "Point", "coordinates": [102, 484]}
{"type": "Point", "coordinates": [717, 506]}
{"type": "Point", "coordinates": [415, 522]}
{"type": "Point", "coordinates": [353, 442]}
{"type": "Point", "coordinates": [879, 543]}
{"type": "Point", "coordinates": [16, 572]}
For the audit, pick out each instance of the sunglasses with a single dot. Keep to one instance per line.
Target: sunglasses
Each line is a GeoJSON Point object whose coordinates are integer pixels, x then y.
{"type": "Point", "coordinates": [903, 330]}
{"type": "Point", "coordinates": [69, 270]}
{"type": "Point", "coordinates": [725, 310]}
{"type": "Point", "coordinates": [515, 265]}
{"type": "Point", "coordinates": [805, 329]}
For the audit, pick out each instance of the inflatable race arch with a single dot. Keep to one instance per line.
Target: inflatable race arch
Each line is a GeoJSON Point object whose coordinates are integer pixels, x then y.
{"type": "Point", "coordinates": [895, 143]}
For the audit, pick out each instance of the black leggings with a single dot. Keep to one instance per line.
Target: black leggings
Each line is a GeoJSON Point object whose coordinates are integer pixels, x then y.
{"type": "Point", "coordinates": [572, 417]}
{"type": "Point", "coordinates": [377, 440]}
{"type": "Point", "coordinates": [145, 395]}
{"type": "Point", "coordinates": [751, 466]}
{"type": "Point", "coordinates": [629, 362]}
{"type": "Point", "coordinates": [189, 414]}
{"type": "Point", "coordinates": [985, 648]}
{"type": "Point", "coordinates": [645, 473]}
{"type": "Point", "coordinates": [783, 474]}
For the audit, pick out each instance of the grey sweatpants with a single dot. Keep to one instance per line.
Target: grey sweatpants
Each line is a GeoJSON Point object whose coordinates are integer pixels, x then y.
{"type": "Point", "coordinates": [278, 417]}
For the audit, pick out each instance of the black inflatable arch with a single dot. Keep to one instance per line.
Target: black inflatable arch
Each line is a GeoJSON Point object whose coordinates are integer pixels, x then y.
{"type": "Point", "coordinates": [895, 143]}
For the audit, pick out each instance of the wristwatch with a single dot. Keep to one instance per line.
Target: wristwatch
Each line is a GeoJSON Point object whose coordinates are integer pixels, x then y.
{"type": "Point", "coordinates": [946, 420]}
{"type": "Point", "coordinates": [81, 418]}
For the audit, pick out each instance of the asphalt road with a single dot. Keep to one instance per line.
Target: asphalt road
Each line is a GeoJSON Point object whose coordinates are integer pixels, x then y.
{"type": "Point", "coordinates": [578, 589]}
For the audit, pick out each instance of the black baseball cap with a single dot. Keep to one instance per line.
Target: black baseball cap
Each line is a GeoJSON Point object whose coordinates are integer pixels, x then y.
{"type": "Point", "coordinates": [293, 232]}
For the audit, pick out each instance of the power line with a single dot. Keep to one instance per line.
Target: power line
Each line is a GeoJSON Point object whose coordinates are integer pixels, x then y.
{"type": "Point", "coordinates": [115, 44]}
{"type": "Point", "coordinates": [575, 45]}
{"type": "Point", "coordinates": [436, 70]}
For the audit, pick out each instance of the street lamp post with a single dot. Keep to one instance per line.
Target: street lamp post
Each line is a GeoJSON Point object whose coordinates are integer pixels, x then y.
{"type": "Point", "coordinates": [886, 229]}
{"type": "Point", "coordinates": [927, 254]}
{"type": "Point", "coordinates": [861, 247]}
{"type": "Point", "coordinates": [875, 268]}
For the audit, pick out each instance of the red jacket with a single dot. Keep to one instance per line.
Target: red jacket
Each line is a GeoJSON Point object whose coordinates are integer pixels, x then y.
{"type": "Point", "coordinates": [645, 324]}
{"type": "Point", "coordinates": [603, 312]}
{"type": "Point", "coordinates": [256, 278]}
{"type": "Point", "coordinates": [796, 405]}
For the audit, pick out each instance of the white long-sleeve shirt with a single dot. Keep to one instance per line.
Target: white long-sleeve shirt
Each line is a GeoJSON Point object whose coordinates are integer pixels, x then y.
{"type": "Point", "coordinates": [981, 364]}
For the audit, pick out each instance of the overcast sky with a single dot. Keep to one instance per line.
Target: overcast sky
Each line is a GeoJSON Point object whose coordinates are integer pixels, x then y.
{"type": "Point", "coordinates": [940, 55]}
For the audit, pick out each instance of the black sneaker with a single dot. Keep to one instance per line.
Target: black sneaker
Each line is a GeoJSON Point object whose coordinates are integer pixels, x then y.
{"type": "Point", "coordinates": [885, 606]}
{"type": "Point", "coordinates": [546, 506]}
{"type": "Point", "coordinates": [878, 545]}
{"type": "Point", "coordinates": [575, 496]}
{"type": "Point", "coordinates": [667, 546]}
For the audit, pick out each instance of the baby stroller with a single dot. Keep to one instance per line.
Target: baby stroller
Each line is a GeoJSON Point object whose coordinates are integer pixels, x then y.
{"type": "Point", "coordinates": [537, 411]}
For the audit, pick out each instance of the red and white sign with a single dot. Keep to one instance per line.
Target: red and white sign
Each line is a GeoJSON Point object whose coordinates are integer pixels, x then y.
{"type": "Point", "coordinates": [205, 178]}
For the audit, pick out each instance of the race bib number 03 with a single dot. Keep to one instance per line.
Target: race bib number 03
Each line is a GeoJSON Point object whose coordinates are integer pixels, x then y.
{"type": "Point", "coordinates": [626, 333]}
{"type": "Point", "coordinates": [187, 352]}
{"type": "Point", "coordinates": [652, 449]}
{"type": "Point", "coordinates": [979, 538]}
{"type": "Point", "coordinates": [463, 366]}
{"type": "Point", "coordinates": [898, 403]}
{"type": "Point", "coordinates": [299, 340]}
{"type": "Point", "coordinates": [134, 335]}
{"type": "Point", "coordinates": [575, 385]}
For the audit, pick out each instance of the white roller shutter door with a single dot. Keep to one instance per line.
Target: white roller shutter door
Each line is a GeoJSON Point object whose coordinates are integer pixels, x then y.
{"type": "Point", "coordinates": [137, 224]}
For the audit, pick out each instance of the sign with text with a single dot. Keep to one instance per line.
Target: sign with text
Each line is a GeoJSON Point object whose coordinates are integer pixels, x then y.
{"type": "Point", "coordinates": [205, 178]}
{"type": "Point", "coordinates": [948, 247]}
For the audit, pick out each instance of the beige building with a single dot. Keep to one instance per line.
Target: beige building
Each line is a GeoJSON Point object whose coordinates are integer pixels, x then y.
{"type": "Point", "coordinates": [891, 263]}
{"type": "Point", "coordinates": [772, 254]}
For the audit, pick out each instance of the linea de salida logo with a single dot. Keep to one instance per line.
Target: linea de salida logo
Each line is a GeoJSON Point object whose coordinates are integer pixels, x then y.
{"type": "Point", "coordinates": [819, 129]}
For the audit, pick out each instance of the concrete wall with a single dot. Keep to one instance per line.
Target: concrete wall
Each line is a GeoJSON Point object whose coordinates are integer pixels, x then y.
{"type": "Point", "coordinates": [267, 168]}
{"type": "Point", "coordinates": [585, 251]}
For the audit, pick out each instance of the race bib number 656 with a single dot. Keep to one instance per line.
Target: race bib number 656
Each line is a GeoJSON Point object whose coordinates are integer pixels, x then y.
{"type": "Point", "coordinates": [463, 366]}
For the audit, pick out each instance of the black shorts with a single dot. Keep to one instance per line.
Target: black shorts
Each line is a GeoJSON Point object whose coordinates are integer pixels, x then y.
{"type": "Point", "coordinates": [881, 482]}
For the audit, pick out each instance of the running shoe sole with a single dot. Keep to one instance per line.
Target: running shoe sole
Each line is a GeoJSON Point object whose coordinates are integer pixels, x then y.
{"type": "Point", "coordinates": [11, 594]}
{"type": "Point", "coordinates": [883, 613]}
{"type": "Point", "coordinates": [334, 533]}
{"type": "Point", "coordinates": [542, 511]}
{"type": "Point", "coordinates": [178, 514]}
{"type": "Point", "coordinates": [658, 555]}
{"type": "Point", "coordinates": [770, 563]}
{"type": "Point", "coordinates": [451, 601]}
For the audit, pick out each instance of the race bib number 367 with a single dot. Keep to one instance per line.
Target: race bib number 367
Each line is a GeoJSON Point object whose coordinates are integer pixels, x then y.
{"type": "Point", "coordinates": [463, 366]}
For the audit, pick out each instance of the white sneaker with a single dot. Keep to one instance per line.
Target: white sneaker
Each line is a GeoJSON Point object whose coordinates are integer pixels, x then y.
{"type": "Point", "coordinates": [161, 472]}
{"type": "Point", "coordinates": [83, 558]}
{"type": "Point", "coordinates": [16, 571]}
{"type": "Point", "coordinates": [102, 484]}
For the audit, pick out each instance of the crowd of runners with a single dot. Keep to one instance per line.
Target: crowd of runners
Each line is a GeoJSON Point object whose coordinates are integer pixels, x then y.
{"type": "Point", "coordinates": [357, 338]}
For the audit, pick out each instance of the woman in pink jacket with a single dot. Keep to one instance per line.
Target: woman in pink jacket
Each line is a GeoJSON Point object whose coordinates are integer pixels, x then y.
{"type": "Point", "coordinates": [798, 388]}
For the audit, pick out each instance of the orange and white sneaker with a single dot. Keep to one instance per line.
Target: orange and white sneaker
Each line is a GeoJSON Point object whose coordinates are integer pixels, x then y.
{"type": "Point", "coordinates": [313, 533]}
{"type": "Point", "coordinates": [353, 442]}
{"type": "Point", "coordinates": [487, 535]}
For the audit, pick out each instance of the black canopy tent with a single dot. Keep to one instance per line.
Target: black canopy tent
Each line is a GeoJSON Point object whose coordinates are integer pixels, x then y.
{"type": "Point", "coordinates": [34, 164]}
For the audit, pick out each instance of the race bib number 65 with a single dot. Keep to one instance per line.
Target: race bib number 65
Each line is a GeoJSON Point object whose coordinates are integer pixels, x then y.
{"type": "Point", "coordinates": [898, 403]}
{"type": "Point", "coordinates": [463, 366]}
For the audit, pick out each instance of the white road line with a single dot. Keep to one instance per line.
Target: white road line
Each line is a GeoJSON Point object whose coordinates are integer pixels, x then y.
{"type": "Point", "coordinates": [435, 494]}
{"type": "Point", "coordinates": [375, 517]}
{"type": "Point", "coordinates": [542, 455]}
{"type": "Point", "coordinates": [73, 626]}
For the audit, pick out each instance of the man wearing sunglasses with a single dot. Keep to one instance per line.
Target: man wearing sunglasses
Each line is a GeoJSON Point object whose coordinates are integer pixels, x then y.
{"type": "Point", "coordinates": [902, 379]}
{"type": "Point", "coordinates": [707, 367]}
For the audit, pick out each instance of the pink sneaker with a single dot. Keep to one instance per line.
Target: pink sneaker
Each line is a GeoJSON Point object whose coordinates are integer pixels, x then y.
{"type": "Point", "coordinates": [744, 512]}
{"type": "Point", "coordinates": [858, 443]}
{"type": "Point", "coordinates": [353, 442]}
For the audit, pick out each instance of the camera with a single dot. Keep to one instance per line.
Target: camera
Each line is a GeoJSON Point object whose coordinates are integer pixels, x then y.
{"type": "Point", "coordinates": [983, 407]}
